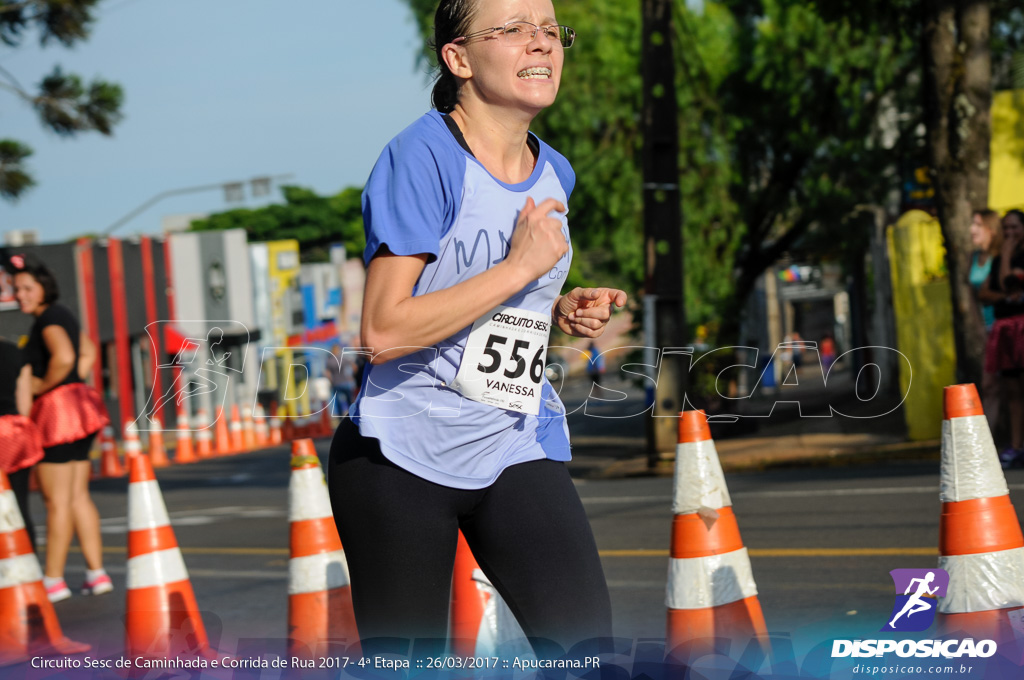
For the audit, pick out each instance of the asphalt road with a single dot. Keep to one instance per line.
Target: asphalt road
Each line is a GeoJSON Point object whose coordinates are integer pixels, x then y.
{"type": "Point", "coordinates": [822, 542]}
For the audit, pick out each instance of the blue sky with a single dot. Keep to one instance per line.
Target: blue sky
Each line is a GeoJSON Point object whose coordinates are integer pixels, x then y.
{"type": "Point", "coordinates": [216, 92]}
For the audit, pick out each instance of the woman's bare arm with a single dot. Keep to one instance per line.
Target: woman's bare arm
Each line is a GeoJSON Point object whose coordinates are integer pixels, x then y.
{"type": "Point", "coordinates": [395, 323]}
{"type": "Point", "coordinates": [86, 356]}
{"type": "Point", "coordinates": [23, 391]}
{"type": "Point", "coordinates": [62, 359]}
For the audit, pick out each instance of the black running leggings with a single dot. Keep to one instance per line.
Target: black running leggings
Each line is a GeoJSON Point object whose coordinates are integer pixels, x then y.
{"type": "Point", "coordinates": [527, 531]}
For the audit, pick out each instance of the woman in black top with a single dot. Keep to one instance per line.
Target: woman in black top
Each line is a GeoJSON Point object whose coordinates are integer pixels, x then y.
{"type": "Point", "coordinates": [21, 445]}
{"type": "Point", "coordinates": [1004, 354]}
{"type": "Point", "coordinates": [68, 414]}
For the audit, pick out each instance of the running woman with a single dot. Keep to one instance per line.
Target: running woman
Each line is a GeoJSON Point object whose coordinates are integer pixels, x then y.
{"type": "Point", "coordinates": [456, 426]}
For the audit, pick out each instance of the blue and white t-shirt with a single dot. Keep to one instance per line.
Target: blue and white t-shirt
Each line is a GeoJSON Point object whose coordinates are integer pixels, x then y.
{"type": "Point", "coordinates": [428, 195]}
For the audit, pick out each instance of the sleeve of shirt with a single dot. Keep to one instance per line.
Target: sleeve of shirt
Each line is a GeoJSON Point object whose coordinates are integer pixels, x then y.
{"type": "Point", "coordinates": [563, 169]}
{"type": "Point", "coordinates": [408, 201]}
{"type": "Point", "coordinates": [58, 315]}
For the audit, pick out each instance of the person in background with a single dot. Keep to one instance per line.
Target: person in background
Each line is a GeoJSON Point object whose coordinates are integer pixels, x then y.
{"type": "Point", "coordinates": [987, 239]}
{"type": "Point", "coordinates": [1004, 352]}
{"type": "Point", "coordinates": [21, 444]}
{"type": "Point", "coordinates": [828, 352]}
{"type": "Point", "coordinates": [68, 414]}
{"type": "Point", "coordinates": [797, 349]}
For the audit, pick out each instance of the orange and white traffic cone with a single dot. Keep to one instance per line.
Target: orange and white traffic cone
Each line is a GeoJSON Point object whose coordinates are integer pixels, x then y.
{"type": "Point", "coordinates": [237, 437]}
{"type": "Point", "coordinates": [276, 438]}
{"type": "Point", "coordinates": [480, 623]}
{"type": "Point", "coordinates": [157, 452]}
{"type": "Point", "coordinates": [466, 617]}
{"type": "Point", "coordinates": [326, 424]}
{"type": "Point", "coordinates": [111, 463]}
{"type": "Point", "coordinates": [262, 431]}
{"type": "Point", "coordinates": [132, 444]}
{"type": "Point", "coordinates": [711, 591]}
{"type": "Point", "coordinates": [248, 429]}
{"type": "Point", "coordinates": [222, 440]}
{"type": "Point", "coordinates": [184, 452]}
{"type": "Point", "coordinates": [162, 619]}
{"type": "Point", "coordinates": [204, 435]}
{"type": "Point", "coordinates": [980, 540]}
{"type": "Point", "coordinates": [28, 623]}
{"type": "Point", "coordinates": [319, 595]}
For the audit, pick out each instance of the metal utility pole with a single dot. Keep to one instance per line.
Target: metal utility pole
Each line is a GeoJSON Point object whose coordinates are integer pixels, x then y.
{"type": "Point", "coordinates": [663, 239]}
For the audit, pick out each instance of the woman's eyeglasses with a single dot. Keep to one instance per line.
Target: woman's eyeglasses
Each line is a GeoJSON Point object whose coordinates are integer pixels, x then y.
{"type": "Point", "coordinates": [523, 33]}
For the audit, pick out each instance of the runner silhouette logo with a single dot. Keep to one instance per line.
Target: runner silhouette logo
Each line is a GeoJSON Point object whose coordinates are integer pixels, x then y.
{"type": "Point", "coordinates": [917, 591]}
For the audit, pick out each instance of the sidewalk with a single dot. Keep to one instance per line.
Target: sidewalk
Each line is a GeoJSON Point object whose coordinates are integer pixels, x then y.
{"type": "Point", "coordinates": [766, 434]}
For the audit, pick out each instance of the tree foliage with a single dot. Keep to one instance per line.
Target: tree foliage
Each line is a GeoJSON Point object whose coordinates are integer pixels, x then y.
{"type": "Point", "coordinates": [315, 221]}
{"type": "Point", "coordinates": [63, 101]}
{"type": "Point", "coordinates": [780, 136]}
{"type": "Point", "coordinates": [797, 119]}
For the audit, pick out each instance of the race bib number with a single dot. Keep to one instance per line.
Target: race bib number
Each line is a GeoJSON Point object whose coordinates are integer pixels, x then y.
{"type": "Point", "coordinates": [503, 364]}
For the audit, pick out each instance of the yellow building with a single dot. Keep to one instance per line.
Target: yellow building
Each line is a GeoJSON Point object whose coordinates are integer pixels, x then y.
{"type": "Point", "coordinates": [1006, 178]}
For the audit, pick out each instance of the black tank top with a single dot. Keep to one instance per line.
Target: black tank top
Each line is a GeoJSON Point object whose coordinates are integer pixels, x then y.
{"type": "Point", "coordinates": [39, 355]}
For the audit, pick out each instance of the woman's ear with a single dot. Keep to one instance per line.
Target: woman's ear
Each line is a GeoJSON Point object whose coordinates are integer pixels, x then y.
{"type": "Point", "coordinates": [455, 58]}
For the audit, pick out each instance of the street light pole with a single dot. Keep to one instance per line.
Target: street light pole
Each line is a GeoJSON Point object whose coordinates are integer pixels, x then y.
{"type": "Point", "coordinates": [257, 182]}
{"type": "Point", "coordinates": [663, 239]}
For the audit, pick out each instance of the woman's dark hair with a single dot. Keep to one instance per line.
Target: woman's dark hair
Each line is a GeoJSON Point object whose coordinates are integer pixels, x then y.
{"type": "Point", "coordinates": [1019, 214]}
{"type": "Point", "coordinates": [451, 21]}
{"type": "Point", "coordinates": [29, 264]}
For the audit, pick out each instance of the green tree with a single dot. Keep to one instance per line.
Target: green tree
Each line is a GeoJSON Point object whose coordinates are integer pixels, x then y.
{"type": "Point", "coordinates": [964, 50]}
{"type": "Point", "coordinates": [315, 221]}
{"type": "Point", "coordinates": [64, 102]}
{"type": "Point", "coordinates": [779, 137]}
{"type": "Point", "coordinates": [595, 124]}
{"type": "Point", "coordinates": [797, 120]}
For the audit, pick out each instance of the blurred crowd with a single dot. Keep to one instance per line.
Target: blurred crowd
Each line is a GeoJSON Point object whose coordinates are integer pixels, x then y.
{"type": "Point", "coordinates": [997, 277]}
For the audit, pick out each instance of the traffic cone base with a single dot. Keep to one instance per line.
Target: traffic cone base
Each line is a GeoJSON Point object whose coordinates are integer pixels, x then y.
{"type": "Point", "coordinates": [993, 624]}
{"type": "Point", "coordinates": [327, 617]}
{"type": "Point", "coordinates": [718, 621]}
{"type": "Point", "coordinates": [28, 623]}
{"type": "Point", "coordinates": [991, 570]}
{"type": "Point", "coordinates": [319, 595]}
{"type": "Point", "coordinates": [166, 622]}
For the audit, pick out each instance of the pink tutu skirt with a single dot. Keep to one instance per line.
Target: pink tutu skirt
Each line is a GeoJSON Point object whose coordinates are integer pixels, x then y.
{"type": "Point", "coordinates": [1005, 348]}
{"type": "Point", "coordinates": [68, 413]}
{"type": "Point", "coordinates": [21, 444]}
